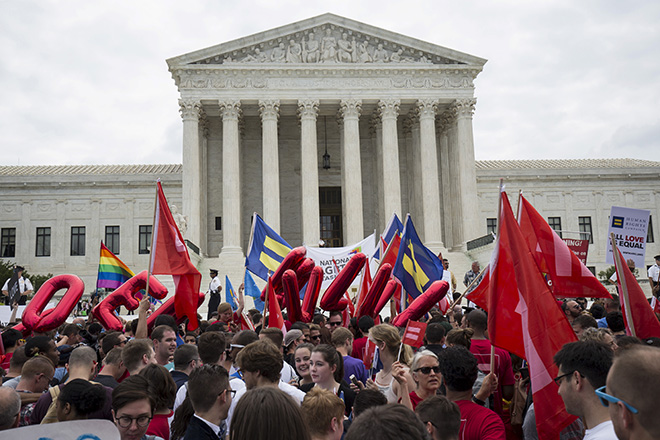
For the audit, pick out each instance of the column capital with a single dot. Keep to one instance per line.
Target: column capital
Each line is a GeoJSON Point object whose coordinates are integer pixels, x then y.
{"type": "Point", "coordinates": [350, 108]}
{"type": "Point", "coordinates": [308, 109]}
{"type": "Point", "coordinates": [426, 108]}
{"type": "Point", "coordinates": [375, 124]}
{"type": "Point", "coordinates": [269, 109]}
{"type": "Point", "coordinates": [388, 108]}
{"type": "Point", "coordinates": [204, 124]}
{"type": "Point", "coordinates": [230, 109]}
{"type": "Point", "coordinates": [464, 108]}
{"type": "Point", "coordinates": [190, 109]}
{"type": "Point", "coordinates": [408, 124]}
{"type": "Point", "coordinates": [444, 121]}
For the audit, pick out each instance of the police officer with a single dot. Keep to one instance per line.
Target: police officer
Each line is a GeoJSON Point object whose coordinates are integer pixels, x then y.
{"type": "Point", "coordinates": [214, 291]}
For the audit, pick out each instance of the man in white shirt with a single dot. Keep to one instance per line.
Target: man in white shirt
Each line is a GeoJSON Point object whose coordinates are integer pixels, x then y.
{"type": "Point", "coordinates": [24, 287]}
{"type": "Point", "coordinates": [215, 287]}
{"type": "Point", "coordinates": [654, 276]}
{"type": "Point", "coordinates": [583, 368]}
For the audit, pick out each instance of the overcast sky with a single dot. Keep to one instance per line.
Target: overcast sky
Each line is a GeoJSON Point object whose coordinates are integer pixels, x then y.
{"type": "Point", "coordinates": [85, 82]}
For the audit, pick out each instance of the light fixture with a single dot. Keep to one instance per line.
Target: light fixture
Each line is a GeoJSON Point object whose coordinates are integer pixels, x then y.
{"type": "Point", "coordinates": [326, 156]}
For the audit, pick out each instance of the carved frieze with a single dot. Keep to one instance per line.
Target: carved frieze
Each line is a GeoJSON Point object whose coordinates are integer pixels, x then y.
{"type": "Point", "coordinates": [327, 44]}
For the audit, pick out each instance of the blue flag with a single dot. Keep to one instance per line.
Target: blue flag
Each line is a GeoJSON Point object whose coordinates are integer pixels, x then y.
{"type": "Point", "coordinates": [394, 226]}
{"type": "Point", "coordinates": [252, 290]}
{"type": "Point", "coordinates": [266, 249]}
{"type": "Point", "coordinates": [416, 266]}
{"type": "Point", "coordinates": [230, 294]}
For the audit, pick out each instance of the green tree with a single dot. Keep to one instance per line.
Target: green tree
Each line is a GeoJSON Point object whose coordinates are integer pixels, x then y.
{"type": "Point", "coordinates": [7, 270]}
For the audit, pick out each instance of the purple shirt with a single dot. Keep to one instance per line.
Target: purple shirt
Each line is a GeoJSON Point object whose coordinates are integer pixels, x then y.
{"type": "Point", "coordinates": [356, 367]}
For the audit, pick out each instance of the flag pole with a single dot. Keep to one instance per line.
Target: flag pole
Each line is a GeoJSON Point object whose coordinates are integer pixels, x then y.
{"type": "Point", "coordinates": [266, 310]}
{"type": "Point", "coordinates": [153, 235]}
{"type": "Point", "coordinates": [499, 225]}
{"type": "Point", "coordinates": [618, 264]}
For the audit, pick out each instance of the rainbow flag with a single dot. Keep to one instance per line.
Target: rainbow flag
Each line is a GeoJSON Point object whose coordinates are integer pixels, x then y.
{"type": "Point", "coordinates": [112, 271]}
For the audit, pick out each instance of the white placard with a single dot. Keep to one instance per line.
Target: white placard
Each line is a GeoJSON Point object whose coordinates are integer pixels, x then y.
{"type": "Point", "coordinates": [74, 430]}
{"type": "Point", "coordinates": [630, 228]}
{"type": "Point", "coordinates": [323, 257]}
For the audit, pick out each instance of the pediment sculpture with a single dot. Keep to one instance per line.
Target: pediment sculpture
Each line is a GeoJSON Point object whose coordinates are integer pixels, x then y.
{"type": "Point", "coordinates": [328, 45]}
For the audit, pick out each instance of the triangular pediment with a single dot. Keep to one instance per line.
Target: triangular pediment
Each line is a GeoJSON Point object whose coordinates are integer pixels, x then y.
{"type": "Point", "coordinates": [326, 39]}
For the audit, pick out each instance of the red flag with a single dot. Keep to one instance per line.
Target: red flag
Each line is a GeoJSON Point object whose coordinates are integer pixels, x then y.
{"type": "Point", "coordinates": [479, 295]}
{"type": "Point", "coordinates": [275, 318]}
{"type": "Point", "coordinates": [567, 276]}
{"type": "Point", "coordinates": [655, 305]}
{"type": "Point", "coordinates": [365, 284]}
{"type": "Point", "coordinates": [392, 251]}
{"type": "Point", "coordinates": [369, 354]}
{"type": "Point", "coordinates": [246, 322]}
{"type": "Point", "coordinates": [414, 334]}
{"type": "Point", "coordinates": [637, 314]}
{"type": "Point", "coordinates": [523, 312]}
{"type": "Point", "coordinates": [169, 256]}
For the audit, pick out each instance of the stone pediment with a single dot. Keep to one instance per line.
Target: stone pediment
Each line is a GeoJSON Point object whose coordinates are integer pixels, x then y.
{"type": "Point", "coordinates": [326, 40]}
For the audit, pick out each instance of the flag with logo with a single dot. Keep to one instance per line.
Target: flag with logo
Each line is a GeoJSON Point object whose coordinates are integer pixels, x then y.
{"type": "Point", "coordinates": [230, 294]}
{"type": "Point", "coordinates": [414, 334]}
{"type": "Point", "coordinates": [266, 249]}
{"type": "Point", "coordinates": [522, 313]}
{"type": "Point", "coordinates": [638, 315]}
{"type": "Point", "coordinates": [567, 276]}
{"type": "Point", "coordinates": [253, 291]}
{"type": "Point", "coordinates": [169, 256]}
{"type": "Point", "coordinates": [416, 266]}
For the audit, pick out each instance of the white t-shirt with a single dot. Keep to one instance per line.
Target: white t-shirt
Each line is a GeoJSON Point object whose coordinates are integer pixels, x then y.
{"type": "Point", "coordinates": [653, 272]}
{"type": "Point", "coordinates": [287, 373]}
{"type": "Point", "coordinates": [214, 284]}
{"type": "Point", "coordinates": [604, 431]}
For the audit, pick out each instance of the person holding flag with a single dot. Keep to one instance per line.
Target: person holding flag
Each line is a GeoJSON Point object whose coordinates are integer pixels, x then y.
{"type": "Point", "coordinates": [229, 313]}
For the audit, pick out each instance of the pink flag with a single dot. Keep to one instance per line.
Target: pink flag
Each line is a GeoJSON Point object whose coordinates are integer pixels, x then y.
{"type": "Point", "coordinates": [567, 276]}
{"type": "Point", "coordinates": [169, 256]}
{"type": "Point", "coordinates": [523, 312]}
{"type": "Point", "coordinates": [639, 317]}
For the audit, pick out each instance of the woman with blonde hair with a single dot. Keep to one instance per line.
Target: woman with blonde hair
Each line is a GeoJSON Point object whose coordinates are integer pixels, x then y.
{"type": "Point", "coordinates": [426, 372]}
{"type": "Point", "coordinates": [394, 380]}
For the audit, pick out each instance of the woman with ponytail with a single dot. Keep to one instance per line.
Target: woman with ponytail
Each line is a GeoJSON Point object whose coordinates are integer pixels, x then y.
{"type": "Point", "coordinates": [327, 372]}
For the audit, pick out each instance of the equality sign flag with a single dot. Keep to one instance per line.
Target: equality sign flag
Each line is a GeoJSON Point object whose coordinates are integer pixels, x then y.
{"type": "Point", "coordinates": [169, 256]}
{"type": "Point", "coordinates": [630, 228]}
{"type": "Point", "coordinates": [414, 334]}
{"type": "Point", "coordinates": [266, 249]}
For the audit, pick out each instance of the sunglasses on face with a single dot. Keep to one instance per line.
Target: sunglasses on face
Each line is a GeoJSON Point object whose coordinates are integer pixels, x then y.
{"type": "Point", "coordinates": [427, 370]}
{"type": "Point", "coordinates": [332, 324]}
{"type": "Point", "coordinates": [605, 400]}
{"type": "Point", "coordinates": [315, 337]}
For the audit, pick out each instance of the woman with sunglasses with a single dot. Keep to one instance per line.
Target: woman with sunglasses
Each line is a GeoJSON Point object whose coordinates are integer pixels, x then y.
{"type": "Point", "coordinates": [426, 373]}
{"type": "Point", "coordinates": [302, 356]}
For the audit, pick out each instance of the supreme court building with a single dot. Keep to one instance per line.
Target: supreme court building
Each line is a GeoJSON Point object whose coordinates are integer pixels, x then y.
{"type": "Point", "coordinates": [325, 127]}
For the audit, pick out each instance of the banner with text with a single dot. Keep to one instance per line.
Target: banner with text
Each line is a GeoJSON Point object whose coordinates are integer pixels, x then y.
{"type": "Point", "coordinates": [323, 257]}
{"type": "Point", "coordinates": [630, 228]}
{"type": "Point", "coordinates": [579, 248]}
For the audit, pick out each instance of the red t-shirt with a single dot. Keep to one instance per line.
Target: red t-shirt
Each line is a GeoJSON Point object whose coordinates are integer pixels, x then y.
{"type": "Point", "coordinates": [415, 399]}
{"type": "Point", "coordinates": [481, 349]}
{"type": "Point", "coordinates": [5, 360]}
{"type": "Point", "coordinates": [479, 423]}
{"type": "Point", "coordinates": [358, 348]}
{"type": "Point", "coordinates": [159, 426]}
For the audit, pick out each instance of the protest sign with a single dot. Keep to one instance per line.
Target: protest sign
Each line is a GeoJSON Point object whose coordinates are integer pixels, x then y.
{"type": "Point", "coordinates": [630, 228]}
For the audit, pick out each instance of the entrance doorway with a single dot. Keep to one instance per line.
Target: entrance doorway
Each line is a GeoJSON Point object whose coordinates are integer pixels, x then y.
{"type": "Point", "coordinates": [330, 215]}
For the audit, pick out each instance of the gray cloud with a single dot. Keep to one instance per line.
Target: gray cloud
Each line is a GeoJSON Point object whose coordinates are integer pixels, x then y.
{"type": "Point", "coordinates": [86, 82]}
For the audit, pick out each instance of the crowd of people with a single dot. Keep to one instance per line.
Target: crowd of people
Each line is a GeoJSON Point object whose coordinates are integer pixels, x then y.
{"type": "Point", "coordinates": [318, 380]}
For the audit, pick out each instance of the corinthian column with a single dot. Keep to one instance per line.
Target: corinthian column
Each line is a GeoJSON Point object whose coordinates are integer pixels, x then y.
{"type": "Point", "coordinates": [351, 171]}
{"type": "Point", "coordinates": [308, 110]}
{"type": "Point", "coordinates": [231, 185]}
{"type": "Point", "coordinates": [389, 111]}
{"type": "Point", "coordinates": [270, 163]}
{"type": "Point", "coordinates": [465, 164]}
{"type": "Point", "coordinates": [429, 175]}
{"type": "Point", "coordinates": [192, 169]}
